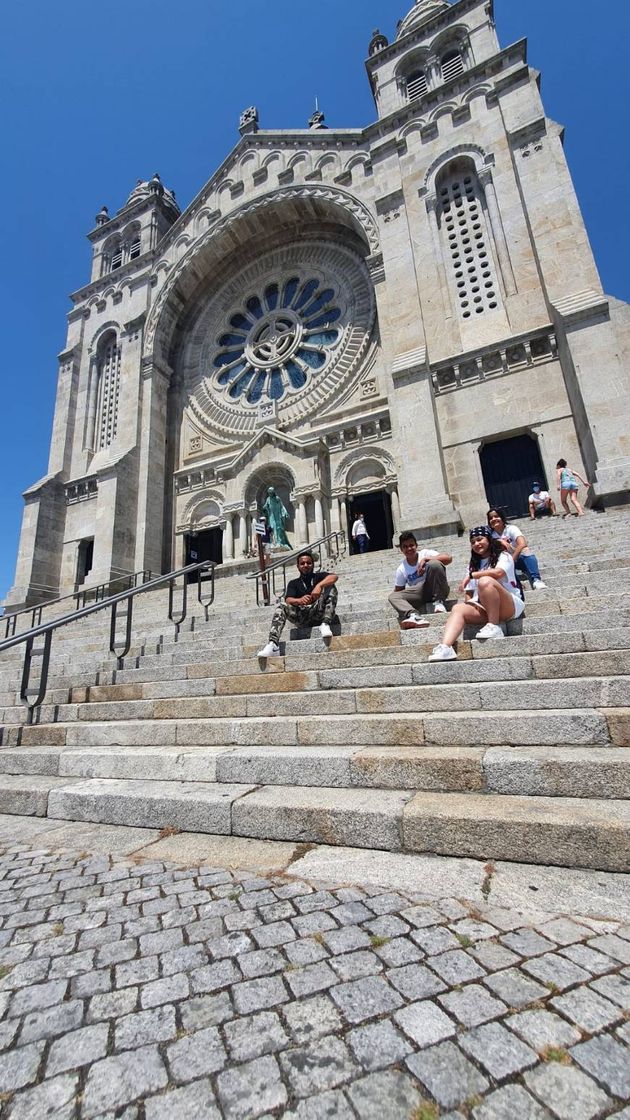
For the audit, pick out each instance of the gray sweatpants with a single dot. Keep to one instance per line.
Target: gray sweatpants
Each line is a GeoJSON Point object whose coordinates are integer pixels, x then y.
{"type": "Point", "coordinates": [435, 586]}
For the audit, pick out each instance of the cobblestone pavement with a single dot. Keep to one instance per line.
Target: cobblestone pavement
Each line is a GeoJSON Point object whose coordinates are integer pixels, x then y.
{"type": "Point", "coordinates": [144, 991]}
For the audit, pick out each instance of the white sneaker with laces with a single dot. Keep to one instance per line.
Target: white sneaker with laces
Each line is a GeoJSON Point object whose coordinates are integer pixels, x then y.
{"type": "Point", "coordinates": [538, 585]}
{"type": "Point", "coordinates": [490, 632]}
{"type": "Point", "coordinates": [443, 653]}
{"type": "Point", "coordinates": [325, 630]}
{"type": "Point", "coordinates": [414, 622]}
{"type": "Point", "coordinates": [270, 650]}
{"type": "Point", "coordinates": [438, 607]}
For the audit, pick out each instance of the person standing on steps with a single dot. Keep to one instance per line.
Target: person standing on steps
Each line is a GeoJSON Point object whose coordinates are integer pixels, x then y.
{"type": "Point", "coordinates": [360, 535]}
{"type": "Point", "coordinates": [310, 600]}
{"type": "Point", "coordinates": [492, 594]}
{"type": "Point", "coordinates": [420, 579]}
{"type": "Point", "coordinates": [516, 544]}
{"type": "Point", "coordinates": [567, 483]}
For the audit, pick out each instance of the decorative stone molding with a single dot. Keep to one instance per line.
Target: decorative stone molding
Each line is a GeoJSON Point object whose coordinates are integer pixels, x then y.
{"type": "Point", "coordinates": [492, 362]}
{"type": "Point", "coordinates": [413, 361]}
{"type": "Point", "coordinates": [579, 305]}
{"type": "Point", "coordinates": [331, 195]}
{"type": "Point", "coordinates": [81, 490]}
{"type": "Point", "coordinates": [363, 455]}
{"type": "Point", "coordinates": [213, 394]}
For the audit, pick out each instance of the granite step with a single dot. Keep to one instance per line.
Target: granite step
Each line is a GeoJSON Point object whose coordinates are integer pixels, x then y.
{"type": "Point", "coordinates": [563, 831]}
{"type": "Point", "coordinates": [552, 726]}
{"type": "Point", "coordinates": [582, 772]}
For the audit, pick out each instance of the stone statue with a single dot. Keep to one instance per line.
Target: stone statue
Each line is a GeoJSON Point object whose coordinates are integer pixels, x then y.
{"type": "Point", "coordinates": [277, 517]}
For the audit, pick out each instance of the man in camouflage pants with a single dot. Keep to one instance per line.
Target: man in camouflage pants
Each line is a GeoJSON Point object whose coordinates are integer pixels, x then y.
{"type": "Point", "coordinates": [310, 600]}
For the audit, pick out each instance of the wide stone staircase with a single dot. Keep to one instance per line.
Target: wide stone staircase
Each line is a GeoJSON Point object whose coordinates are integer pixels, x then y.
{"type": "Point", "coordinates": [519, 750]}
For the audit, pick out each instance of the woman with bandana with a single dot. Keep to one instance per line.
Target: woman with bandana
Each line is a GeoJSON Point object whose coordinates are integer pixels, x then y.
{"type": "Point", "coordinates": [492, 594]}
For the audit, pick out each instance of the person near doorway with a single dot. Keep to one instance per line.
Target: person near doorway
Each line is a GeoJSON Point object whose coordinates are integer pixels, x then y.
{"type": "Point", "coordinates": [310, 600]}
{"type": "Point", "coordinates": [516, 544]}
{"type": "Point", "coordinates": [360, 535]}
{"type": "Point", "coordinates": [540, 502]}
{"type": "Point", "coordinates": [419, 579]}
{"type": "Point", "coordinates": [492, 594]}
{"type": "Point", "coordinates": [567, 483]}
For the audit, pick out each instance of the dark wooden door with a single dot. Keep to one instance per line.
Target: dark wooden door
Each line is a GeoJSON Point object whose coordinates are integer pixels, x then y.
{"type": "Point", "coordinates": [509, 467]}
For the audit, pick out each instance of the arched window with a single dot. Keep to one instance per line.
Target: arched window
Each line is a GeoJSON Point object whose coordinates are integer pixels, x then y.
{"type": "Point", "coordinates": [464, 229]}
{"type": "Point", "coordinates": [452, 64]}
{"type": "Point", "coordinates": [112, 255]}
{"type": "Point", "coordinates": [131, 242]}
{"type": "Point", "coordinates": [416, 85]}
{"type": "Point", "coordinates": [108, 390]}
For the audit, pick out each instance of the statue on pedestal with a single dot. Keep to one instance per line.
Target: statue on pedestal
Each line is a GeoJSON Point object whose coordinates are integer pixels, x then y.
{"type": "Point", "coordinates": [277, 516]}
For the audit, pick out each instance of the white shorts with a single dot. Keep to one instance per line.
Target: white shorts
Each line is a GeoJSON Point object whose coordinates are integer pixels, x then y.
{"type": "Point", "coordinates": [519, 606]}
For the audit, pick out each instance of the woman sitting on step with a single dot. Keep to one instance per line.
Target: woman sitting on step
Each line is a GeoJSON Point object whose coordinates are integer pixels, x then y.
{"type": "Point", "coordinates": [492, 594]}
{"type": "Point", "coordinates": [516, 544]}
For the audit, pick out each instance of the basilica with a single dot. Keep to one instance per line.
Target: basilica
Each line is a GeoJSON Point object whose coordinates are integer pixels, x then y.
{"type": "Point", "coordinates": [404, 319]}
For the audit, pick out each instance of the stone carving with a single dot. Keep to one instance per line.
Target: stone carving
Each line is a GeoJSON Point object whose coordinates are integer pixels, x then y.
{"type": "Point", "coordinates": [378, 43]}
{"type": "Point", "coordinates": [195, 444]}
{"type": "Point", "coordinates": [327, 194]}
{"type": "Point", "coordinates": [249, 120]}
{"type": "Point", "coordinates": [316, 121]}
{"type": "Point", "coordinates": [277, 517]}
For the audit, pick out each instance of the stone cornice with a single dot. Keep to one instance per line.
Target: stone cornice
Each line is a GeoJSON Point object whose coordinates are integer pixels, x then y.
{"type": "Point", "coordinates": [112, 279]}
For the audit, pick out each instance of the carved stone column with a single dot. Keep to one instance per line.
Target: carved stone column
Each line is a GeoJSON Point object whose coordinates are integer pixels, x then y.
{"type": "Point", "coordinates": [395, 510]}
{"type": "Point", "coordinates": [320, 528]}
{"type": "Point", "coordinates": [302, 522]}
{"type": "Point", "coordinates": [243, 537]}
{"type": "Point", "coordinates": [228, 538]}
{"type": "Point", "coordinates": [431, 204]}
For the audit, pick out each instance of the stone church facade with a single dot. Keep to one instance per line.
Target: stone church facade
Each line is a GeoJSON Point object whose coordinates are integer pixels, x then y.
{"type": "Point", "coordinates": [405, 319]}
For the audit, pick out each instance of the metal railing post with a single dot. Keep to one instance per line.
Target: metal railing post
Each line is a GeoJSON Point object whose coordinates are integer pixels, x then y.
{"type": "Point", "coordinates": [29, 654]}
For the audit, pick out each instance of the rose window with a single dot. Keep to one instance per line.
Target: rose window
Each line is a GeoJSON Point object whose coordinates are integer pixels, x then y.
{"type": "Point", "coordinates": [277, 340]}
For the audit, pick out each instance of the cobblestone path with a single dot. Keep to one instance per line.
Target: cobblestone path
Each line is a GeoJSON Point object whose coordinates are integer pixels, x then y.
{"type": "Point", "coordinates": [139, 990]}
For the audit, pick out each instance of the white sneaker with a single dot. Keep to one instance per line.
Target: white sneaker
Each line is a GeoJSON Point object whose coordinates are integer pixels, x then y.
{"type": "Point", "coordinates": [270, 650]}
{"type": "Point", "coordinates": [325, 630]}
{"type": "Point", "coordinates": [443, 653]}
{"type": "Point", "coordinates": [414, 622]}
{"type": "Point", "coordinates": [490, 631]}
{"type": "Point", "coordinates": [538, 585]}
{"type": "Point", "coordinates": [438, 607]}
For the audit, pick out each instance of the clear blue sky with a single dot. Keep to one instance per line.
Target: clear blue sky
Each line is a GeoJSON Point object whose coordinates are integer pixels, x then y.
{"type": "Point", "coordinates": [96, 96]}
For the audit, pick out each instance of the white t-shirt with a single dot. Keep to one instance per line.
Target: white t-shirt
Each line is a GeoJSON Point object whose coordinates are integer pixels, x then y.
{"type": "Point", "coordinates": [359, 530]}
{"type": "Point", "coordinates": [407, 574]}
{"type": "Point", "coordinates": [510, 536]}
{"type": "Point", "coordinates": [507, 581]}
{"type": "Point", "coordinates": [540, 498]}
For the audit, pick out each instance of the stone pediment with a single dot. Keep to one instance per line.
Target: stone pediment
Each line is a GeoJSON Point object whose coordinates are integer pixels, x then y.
{"type": "Point", "coordinates": [280, 440]}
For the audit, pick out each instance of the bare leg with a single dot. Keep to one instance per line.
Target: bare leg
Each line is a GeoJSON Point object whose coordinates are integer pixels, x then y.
{"type": "Point", "coordinates": [574, 499]}
{"type": "Point", "coordinates": [457, 619]}
{"type": "Point", "coordinates": [563, 499]}
{"type": "Point", "coordinates": [496, 601]}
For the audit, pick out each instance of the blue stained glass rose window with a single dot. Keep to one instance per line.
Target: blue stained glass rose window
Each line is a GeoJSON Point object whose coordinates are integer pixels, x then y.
{"type": "Point", "coordinates": [277, 340]}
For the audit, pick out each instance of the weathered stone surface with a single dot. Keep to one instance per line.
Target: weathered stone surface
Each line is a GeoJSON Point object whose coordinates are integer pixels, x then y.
{"type": "Point", "coordinates": [568, 1092]}
{"type": "Point", "coordinates": [449, 1076]}
{"type": "Point", "coordinates": [120, 1080]}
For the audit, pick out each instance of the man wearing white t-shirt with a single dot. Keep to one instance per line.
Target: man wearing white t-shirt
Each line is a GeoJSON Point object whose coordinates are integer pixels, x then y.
{"type": "Point", "coordinates": [420, 579]}
{"type": "Point", "coordinates": [541, 504]}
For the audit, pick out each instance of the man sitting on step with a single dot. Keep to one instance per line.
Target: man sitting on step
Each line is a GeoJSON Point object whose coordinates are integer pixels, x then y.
{"type": "Point", "coordinates": [420, 579]}
{"type": "Point", "coordinates": [310, 600]}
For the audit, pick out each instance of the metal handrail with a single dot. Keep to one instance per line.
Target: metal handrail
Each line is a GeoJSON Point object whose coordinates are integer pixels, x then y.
{"type": "Point", "coordinates": [97, 592]}
{"type": "Point", "coordinates": [267, 580]}
{"type": "Point", "coordinates": [47, 629]}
